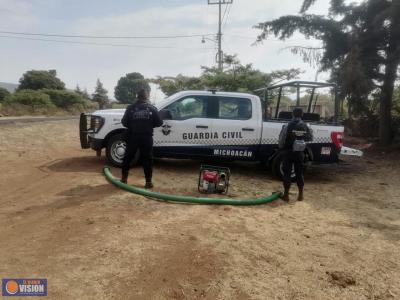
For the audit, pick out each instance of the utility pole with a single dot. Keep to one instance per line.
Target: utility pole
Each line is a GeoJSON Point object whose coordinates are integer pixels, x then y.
{"type": "Point", "coordinates": [220, 55]}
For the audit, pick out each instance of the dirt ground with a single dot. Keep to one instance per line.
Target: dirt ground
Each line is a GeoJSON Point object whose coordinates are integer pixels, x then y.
{"type": "Point", "coordinates": [61, 220]}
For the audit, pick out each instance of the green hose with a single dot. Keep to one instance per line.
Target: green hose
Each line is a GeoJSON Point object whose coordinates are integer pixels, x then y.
{"type": "Point", "coordinates": [186, 199]}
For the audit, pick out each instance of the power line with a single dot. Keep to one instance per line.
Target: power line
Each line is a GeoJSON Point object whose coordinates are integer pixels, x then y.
{"type": "Point", "coordinates": [101, 44]}
{"type": "Point", "coordinates": [105, 36]}
{"type": "Point", "coordinates": [227, 16]}
{"type": "Point", "coordinates": [223, 17]}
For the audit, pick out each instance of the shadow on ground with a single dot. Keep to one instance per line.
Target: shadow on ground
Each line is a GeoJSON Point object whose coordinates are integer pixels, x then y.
{"type": "Point", "coordinates": [92, 164]}
{"type": "Point", "coordinates": [85, 164]}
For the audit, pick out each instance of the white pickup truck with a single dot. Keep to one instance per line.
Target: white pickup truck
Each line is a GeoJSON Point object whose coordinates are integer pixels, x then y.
{"type": "Point", "coordinates": [213, 125]}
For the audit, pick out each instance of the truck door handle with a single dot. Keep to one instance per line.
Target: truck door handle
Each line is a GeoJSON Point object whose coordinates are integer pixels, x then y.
{"type": "Point", "coordinates": [202, 126]}
{"type": "Point", "coordinates": [248, 129]}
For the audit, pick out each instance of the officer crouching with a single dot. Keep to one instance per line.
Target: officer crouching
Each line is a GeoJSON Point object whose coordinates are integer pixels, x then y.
{"type": "Point", "coordinates": [292, 142]}
{"type": "Point", "coordinates": [140, 118]}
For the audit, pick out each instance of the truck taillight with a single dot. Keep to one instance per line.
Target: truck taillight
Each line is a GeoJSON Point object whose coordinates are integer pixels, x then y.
{"type": "Point", "coordinates": [337, 139]}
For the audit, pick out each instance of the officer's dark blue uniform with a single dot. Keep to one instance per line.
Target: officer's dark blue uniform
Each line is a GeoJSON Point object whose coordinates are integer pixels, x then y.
{"type": "Point", "coordinates": [140, 119]}
{"type": "Point", "coordinates": [293, 137]}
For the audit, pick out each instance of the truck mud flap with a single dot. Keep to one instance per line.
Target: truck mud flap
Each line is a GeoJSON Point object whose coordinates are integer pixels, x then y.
{"type": "Point", "coordinates": [83, 131]}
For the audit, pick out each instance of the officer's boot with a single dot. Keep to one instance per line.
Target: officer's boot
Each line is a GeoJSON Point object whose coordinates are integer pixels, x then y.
{"type": "Point", "coordinates": [285, 196]}
{"type": "Point", "coordinates": [148, 174]}
{"type": "Point", "coordinates": [300, 196]}
{"type": "Point", "coordinates": [149, 185]}
{"type": "Point", "coordinates": [124, 178]}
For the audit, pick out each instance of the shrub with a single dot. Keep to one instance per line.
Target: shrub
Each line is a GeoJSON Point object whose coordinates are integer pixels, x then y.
{"type": "Point", "coordinates": [3, 93]}
{"type": "Point", "coordinates": [31, 98]}
{"type": "Point", "coordinates": [87, 106]}
{"type": "Point", "coordinates": [64, 99]}
{"type": "Point", "coordinates": [90, 105]}
{"type": "Point", "coordinates": [47, 102]}
{"type": "Point", "coordinates": [27, 102]}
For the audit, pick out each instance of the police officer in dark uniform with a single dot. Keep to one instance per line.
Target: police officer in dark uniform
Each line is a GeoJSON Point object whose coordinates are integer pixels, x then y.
{"type": "Point", "coordinates": [140, 118]}
{"type": "Point", "coordinates": [292, 141]}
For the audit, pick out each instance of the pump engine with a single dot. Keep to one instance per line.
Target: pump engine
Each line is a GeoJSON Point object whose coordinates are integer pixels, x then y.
{"type": "Point", "coordinates": [213, 179]}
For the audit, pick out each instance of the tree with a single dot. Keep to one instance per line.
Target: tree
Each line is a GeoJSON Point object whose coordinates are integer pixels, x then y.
{"type": "Point", "coordinates": [3, 93]}
{"type": "Point", "coordinates": [235, 78]}
{"type": "Point", "coordinates": [128, 87]}
{"type": "Point", "coordinates": [361, 48]}
{"type": "Point", "coordinates": [37, 79]}
{"type": "Point", "coordinates": [396, 102]}
{"type": "Point", "coordinates": [171, 85]}
{"type": "Point", "coordinates": [83, 93]}
{"type": "Point", "coordinates": [78, 90]}
{"type": "Point", "coordinates": [100, 95]}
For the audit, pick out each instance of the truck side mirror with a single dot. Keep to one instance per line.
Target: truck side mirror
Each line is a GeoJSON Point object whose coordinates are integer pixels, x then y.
{"type": "Point", "coordinates": [165, 114]}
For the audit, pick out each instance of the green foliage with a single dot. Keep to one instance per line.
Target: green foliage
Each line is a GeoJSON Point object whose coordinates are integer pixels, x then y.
{"type": "Point", "coordinates": [396, 101]}
{"type": "Point", "coordinates": [361, 47]}
{"type": "Point", "coordinates": [63, 98]}
{"type": "Point", "coordinates": [171, 85]}
{"type": "Point", "coordinates": [36, 80]}
{"type": "Point", "coordinates": [3, 93]}
{"type": "Point", "coordinates": [235, 78]}
{"type": "Point", "coordinates": [31, 98]}
{"type": "Point", "coordinates": [85, 105]}
{"type": "Point", "coordinates": [240, 78]}
{"type": "Point", "coordinates": [100, 95]}
{"type": "Point", "coordinates": [128, 87]}
{"type": "Point", "coordinates": [46, 95]}
{"type": "Point", "coordinates": [322, 99]}
{"type": "Point", "coordinates": [84, 93]}
{"type": "Point", "coordinates": [353, 37]}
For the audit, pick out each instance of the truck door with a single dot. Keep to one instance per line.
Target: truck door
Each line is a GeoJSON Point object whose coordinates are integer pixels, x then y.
{"type": "Point", "coordinates": [238, 128]}
{"type": "Point", "coordinates": [188, 132]}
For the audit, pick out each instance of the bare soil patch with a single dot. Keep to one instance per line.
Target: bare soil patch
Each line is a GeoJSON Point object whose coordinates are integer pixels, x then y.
{"type": "Point", "coordinates": [61, 220]}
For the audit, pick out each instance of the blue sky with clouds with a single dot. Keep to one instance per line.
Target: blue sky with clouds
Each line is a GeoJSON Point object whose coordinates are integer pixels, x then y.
{"type": "Point", "coordinates": [83, 63]}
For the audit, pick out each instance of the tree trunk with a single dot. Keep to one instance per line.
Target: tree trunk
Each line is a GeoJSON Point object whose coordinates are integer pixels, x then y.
{"type": "Point", "coordinates": [391, 66]}
{"type": "Point", "coordinates": [385, 110]}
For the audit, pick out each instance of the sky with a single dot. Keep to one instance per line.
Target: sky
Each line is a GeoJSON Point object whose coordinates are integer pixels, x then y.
{"type": "Point", "coordinates": [109, 59]}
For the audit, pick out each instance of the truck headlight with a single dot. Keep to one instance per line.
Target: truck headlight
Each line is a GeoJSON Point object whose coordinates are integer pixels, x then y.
{"type": "Point", "coordinates": [96, 122]}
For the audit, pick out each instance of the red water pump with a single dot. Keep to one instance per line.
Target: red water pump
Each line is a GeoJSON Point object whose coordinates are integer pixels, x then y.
{"type": "Point", "coordinates": [213, 179]}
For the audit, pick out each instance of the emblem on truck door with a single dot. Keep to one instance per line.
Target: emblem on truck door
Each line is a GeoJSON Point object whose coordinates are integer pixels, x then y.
{"type": "Point", "coordinates": [166, 129]}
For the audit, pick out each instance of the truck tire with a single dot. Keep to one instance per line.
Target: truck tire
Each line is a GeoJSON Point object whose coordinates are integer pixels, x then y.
{"type": "Point", "coordinates": [115, 150]}
{"type": "Point", "coordinates": [277, 167]}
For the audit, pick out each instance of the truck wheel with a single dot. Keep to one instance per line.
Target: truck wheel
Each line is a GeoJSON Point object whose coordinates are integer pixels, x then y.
{"type": "Point", "coordinates": [115, 150]}
{"type": "Point", "coordinates": [277, 167]}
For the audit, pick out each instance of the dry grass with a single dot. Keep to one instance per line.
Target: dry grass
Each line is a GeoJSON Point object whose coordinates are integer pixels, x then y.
{"type": "Point", "coordinates": [61, 220]}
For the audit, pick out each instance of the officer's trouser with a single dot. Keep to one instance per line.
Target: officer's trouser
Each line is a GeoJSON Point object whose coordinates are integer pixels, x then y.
{"type": "Point", "coordinates": [296, 159]}
{"type": "Point", "coordinates": [143, 143]}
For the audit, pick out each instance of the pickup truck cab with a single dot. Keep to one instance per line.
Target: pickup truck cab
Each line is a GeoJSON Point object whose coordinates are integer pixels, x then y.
{"type": "Point", "coordinates": [212, 125]}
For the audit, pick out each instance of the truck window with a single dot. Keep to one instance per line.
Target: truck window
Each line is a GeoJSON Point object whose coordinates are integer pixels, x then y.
{"type": "Point", "coordinates": [234, 108]}
{"type": "Point", "coordinates": [189, 107]}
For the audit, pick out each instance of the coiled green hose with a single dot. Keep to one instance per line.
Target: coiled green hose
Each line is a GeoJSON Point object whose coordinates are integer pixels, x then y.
{"type": "Point", "coordinates": [187, 199]}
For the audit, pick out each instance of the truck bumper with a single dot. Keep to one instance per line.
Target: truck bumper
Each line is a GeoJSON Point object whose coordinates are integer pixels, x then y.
{"type": "Point", "coordinates": [351, 152]}
{"type": "Point", "coordinates": [95, 144]}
